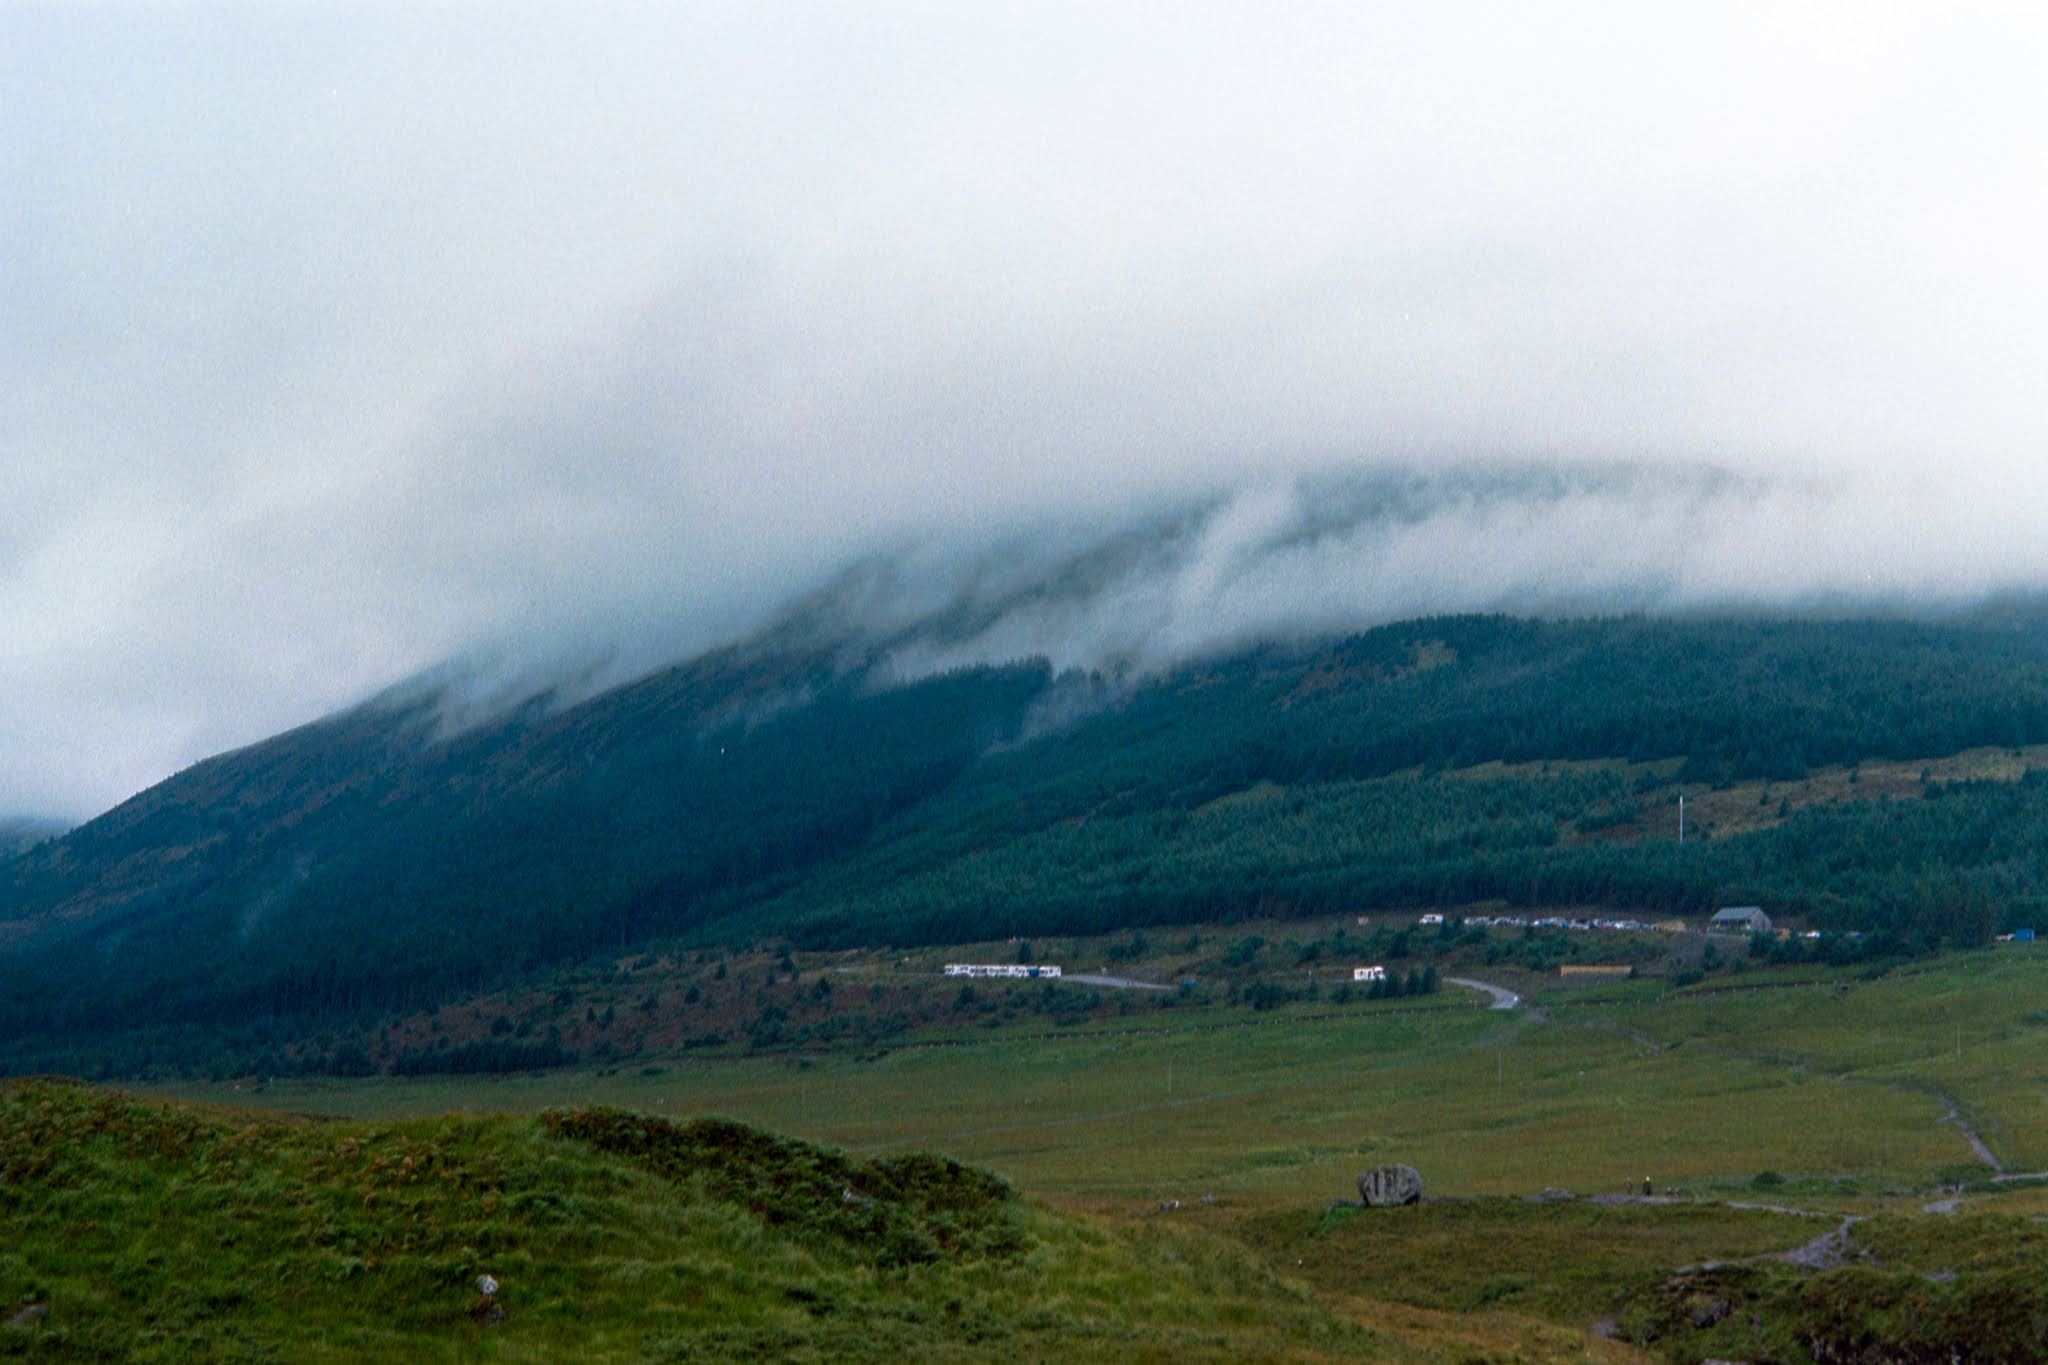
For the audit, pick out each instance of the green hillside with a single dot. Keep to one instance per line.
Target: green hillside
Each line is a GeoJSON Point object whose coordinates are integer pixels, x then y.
{"type": "Point", "coordinates": [148, 1232]}
{"type": "Point", "coordinates": [376, 862]}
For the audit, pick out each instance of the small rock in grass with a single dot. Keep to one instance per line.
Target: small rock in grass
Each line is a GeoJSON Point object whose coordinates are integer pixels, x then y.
{"type": "Point", "coordinates": [27, 1317]}
{"type": "Point", "coordinates": [1387, 1186]}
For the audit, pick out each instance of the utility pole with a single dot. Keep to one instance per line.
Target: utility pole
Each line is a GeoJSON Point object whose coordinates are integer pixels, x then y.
{"type": "Point", "coordinates": [1681, 819]}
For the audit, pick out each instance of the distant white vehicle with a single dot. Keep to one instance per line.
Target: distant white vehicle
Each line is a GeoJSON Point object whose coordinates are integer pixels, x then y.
{"type": "Point", "coordinates": [1368, 973]}
{"type": "Point", "coordinates": [1432, 919]}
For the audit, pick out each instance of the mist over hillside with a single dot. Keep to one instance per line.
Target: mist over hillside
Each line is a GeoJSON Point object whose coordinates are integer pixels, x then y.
{"type": "Point", "coordinates": [801, 786]}
{"type": "Point", "coordinates": [597, 365]}
{"type": "Point", "coordinates": [21, 833]}
{"type": "Point", "coordinates": [1329, 551]}
{"type": "Point", "coordinates": [1015, 729]}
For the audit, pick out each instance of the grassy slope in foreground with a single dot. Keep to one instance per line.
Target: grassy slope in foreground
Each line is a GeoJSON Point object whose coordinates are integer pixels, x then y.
{"type": "Point", "coordinates": [160, 1232]}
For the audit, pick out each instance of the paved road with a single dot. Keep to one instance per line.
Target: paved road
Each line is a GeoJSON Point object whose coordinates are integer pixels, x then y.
{"type": "Point", "coordinates": [1503, 998]}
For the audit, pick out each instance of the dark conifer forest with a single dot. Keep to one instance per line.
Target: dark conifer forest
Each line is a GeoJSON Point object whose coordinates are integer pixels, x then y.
{"type": "Point", "coordinates": [375, 860]}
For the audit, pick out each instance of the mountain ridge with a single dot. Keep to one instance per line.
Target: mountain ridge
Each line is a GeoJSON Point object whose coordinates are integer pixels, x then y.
{"type": "Point", "coordinates": [378, 859]}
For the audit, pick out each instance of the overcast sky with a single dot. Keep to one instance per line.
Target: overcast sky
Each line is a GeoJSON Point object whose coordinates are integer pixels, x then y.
{"type": "Point", "coordinates": [337, 338]}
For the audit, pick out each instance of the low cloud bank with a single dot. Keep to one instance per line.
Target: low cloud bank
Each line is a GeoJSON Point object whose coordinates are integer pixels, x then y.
{"type": "Point", "coordinates": [1337, 550]}
{"type": "Point", "coordinates": [1333, 552]}
{"type": "Point", "coordinates": [341, 338]}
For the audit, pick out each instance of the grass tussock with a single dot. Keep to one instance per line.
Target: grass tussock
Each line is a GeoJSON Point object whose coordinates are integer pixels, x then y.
{"type": "Point", "coordinates": [1570, 1261]}
{"type": "Point", "coordinates": [896, 1211]}
{"type": "Point", "coordinates": [1855, 1312]}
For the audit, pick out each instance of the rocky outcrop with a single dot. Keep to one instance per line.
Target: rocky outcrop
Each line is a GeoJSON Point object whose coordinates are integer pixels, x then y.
{"type": "Point", "coordinates": [1386, 1186]}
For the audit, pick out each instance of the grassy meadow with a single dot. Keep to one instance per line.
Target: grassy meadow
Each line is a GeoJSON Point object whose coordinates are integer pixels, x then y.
{"type": "Point", "coordinates": [1176, 1179]}
{"type": "Point", "coordinates": [1838, 1075]}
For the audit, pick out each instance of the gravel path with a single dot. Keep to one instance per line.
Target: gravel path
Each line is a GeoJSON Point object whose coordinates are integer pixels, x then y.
{"type": "Point", "coordinates": [1503, 998]}
{"type": "Point", "coordinates": [1828, 1250]}
{"type": "Point", "coordinates": [1984, 1154]}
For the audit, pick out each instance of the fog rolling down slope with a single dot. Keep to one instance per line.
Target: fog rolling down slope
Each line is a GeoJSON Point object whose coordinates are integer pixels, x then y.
{"type": "Point", "coordinates": [828, 777]}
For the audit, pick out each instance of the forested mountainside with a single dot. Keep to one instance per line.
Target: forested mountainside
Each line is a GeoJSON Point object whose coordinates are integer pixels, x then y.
{"type": "Point", "coordinates": [375, 860]}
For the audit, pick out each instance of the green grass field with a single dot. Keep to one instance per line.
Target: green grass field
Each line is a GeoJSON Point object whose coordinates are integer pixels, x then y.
{"type": "Point", "coordinates": [1818, 1093]}
{"type": "Point", "coordinates": [1811, 1074]}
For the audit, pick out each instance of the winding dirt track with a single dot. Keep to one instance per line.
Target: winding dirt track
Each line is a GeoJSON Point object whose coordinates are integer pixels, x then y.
{"type": "Point", "coordinates": [1503, 998]}
{"type": "Point", "coordinates": [1984, 1153]}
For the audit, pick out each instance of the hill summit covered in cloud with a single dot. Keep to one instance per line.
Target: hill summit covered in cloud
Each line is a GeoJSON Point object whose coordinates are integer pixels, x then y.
{"type": "Point", "coordinates": [1326, 552]}
{"type": "Point", "coordinates": [605, 340]}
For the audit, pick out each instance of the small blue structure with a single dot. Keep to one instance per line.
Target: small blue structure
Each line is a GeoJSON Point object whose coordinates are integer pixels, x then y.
{"type": "Point", "coordinates": [2023, 936]}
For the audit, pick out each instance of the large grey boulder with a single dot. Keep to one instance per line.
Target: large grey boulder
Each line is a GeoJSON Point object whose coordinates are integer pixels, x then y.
{"type": "Point", "coordinates": [1385, 1186]}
